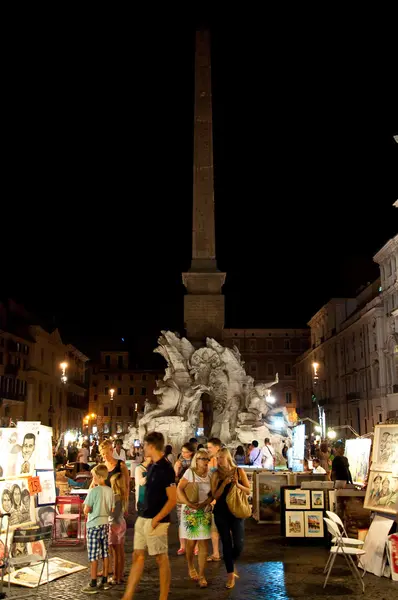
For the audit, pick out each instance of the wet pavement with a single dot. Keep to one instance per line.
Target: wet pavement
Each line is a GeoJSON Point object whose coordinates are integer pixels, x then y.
{"type": "Point", "coordinates": [268, 569]}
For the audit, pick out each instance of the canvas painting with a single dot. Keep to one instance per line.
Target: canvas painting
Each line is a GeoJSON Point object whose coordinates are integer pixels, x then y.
{"type": "Point", "coordinates": [20, 443]}
{"type": "Point", "coordinates": [58, 567]}
{"type": "Point", "coordinates": [294, 523]}
{"type": "Point", "coordinates": [313, 523]}
{"type": "Point", "coordinates": [15, 499]}
{"type": "Point", "coordinates": [297, 499]}
{"type": "Point", "coordinates": [47, 482]}
{"type": "Point", "coordinates": [268, 491]}
{"type": "Point", "coordinates": [382, 492]}
{"type": "Point", "coordinates": [44, 454]}
{"type": "Point", "coordinates": [358, 453]}
{"type": "Point", "coordinates": [385, 448]}
{"type": "Point", "coordinates": [317, 499]}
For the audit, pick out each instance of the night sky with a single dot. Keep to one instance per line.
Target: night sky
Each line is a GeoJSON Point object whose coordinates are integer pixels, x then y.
{"type": "Point", "coordinates": [96, 223]}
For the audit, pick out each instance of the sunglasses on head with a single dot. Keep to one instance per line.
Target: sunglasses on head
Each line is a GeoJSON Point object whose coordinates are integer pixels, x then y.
{"type": "Point", "coordinates": [207, 459]}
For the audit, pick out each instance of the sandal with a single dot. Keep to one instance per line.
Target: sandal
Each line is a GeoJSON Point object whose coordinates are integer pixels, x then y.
{"type": "Point", "coordinates": [193, 574]}
{"type": "Point", "coordinates": [231, 585]}
{"type": "Point", "coordinates": [181, 552]}
{"type": "Point", "coordinates": [213, 558]}
{"type": "Point", "coordinates": [202, 582]}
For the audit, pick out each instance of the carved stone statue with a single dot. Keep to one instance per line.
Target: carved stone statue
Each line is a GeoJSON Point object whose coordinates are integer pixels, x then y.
{"type": "Point", "coordinates": [238, 405]}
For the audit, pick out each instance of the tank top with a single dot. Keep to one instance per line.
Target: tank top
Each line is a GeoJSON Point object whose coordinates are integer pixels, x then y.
{"type": "Point", "coordinates": [117, 469]}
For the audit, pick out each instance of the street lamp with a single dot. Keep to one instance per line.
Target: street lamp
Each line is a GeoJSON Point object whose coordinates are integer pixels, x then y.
{"type": "Point", "coordinates": [63, 366]}
{"type": "Point", "coordinates": [111, 393]}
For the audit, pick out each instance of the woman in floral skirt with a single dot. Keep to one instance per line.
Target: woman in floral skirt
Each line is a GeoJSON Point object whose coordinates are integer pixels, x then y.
{"type": "Point", "coordinates": [195, 523]}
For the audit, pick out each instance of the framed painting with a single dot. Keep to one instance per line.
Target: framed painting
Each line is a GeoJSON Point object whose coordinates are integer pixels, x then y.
{"type": "Point", "coordinates": [44, 454]}
{"type": "Point", "coordinates": [268, 497]}
{"type": "Point", "coordinates": [358, 454]}
{"type": "Point", "coordinates": [385, 448]}
{"type": "Point", "coordinates": [47, 496]}
{"type": "Point", "coordinates": [382, 492]}
{"type": "Point", "coordinates": [313, 523]}
{"type": "Point", "coordinates": [297, 499]}
{"type": "Point", "coordinates": [294, 523]}
{"type": "Point", "coordinates": [317, 499]}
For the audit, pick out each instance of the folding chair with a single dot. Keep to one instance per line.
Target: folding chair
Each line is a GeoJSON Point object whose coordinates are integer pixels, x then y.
{"type": "Point", "coordinates": [62, 517]}
{"type": "Point", "coordinates": [29, 535]}
{"type": "Point", "coordinates": [347, 551]}
{"type": "Point", "coordinates": [346, 540]}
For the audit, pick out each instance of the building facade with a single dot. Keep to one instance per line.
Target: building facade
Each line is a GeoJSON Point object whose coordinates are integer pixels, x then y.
{"type": "Point", "coordinates": [30, 375]}
{"type": "Point", "coordinates": [113, 413]}
{"type": "Point", "coordinates": [354, 349]}
{"type": "Point", "coordinates": [267, 352]}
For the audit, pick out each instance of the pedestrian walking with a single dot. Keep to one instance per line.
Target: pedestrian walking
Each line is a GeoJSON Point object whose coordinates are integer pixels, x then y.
{"type": "Point", "coordinates": [98, 507]}
{"type": "Point", "coordinates": [150, 532]}
{"type": "Point", "coordinates": [230, 527]}
{"type": "Point", "coordinates": [213, 446]}
{"type": "Point", "coordinates": [195, 491]}
{"type": "Point", "coordinates": [114, 466]}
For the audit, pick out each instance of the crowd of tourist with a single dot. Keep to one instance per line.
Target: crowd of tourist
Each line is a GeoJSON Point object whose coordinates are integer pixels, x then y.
{"type": "Point", "coordinates": [198, 482]}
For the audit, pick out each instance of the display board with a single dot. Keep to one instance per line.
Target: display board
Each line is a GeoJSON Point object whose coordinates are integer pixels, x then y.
{"type": "Point", "coordinates": [357, 452]}
{"type": "Point", "coordinates": [382, 489]}
{"type": "Point", "coordinates": [302, 513]}
{"type": "Point", "coordinates": [298, 437]}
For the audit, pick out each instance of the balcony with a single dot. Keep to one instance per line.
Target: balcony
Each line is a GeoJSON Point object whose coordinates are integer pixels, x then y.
{"type": "Point", "coordinates": [352, 396]}
{"type": "Point", "coordinates": [12, 370]}
{"type": "Point", "coordinates": [11, 396]}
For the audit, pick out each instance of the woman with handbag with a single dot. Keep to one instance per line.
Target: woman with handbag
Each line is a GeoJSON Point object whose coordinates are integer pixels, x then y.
{"type": "Point", "coordinates": [230, 488]}
{"type": "Point", "coordinates": [195, 496]}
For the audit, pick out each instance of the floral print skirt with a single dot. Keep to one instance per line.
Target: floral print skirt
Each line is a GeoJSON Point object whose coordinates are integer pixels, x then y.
{"type": "Point", "coordinates": [195, 524]}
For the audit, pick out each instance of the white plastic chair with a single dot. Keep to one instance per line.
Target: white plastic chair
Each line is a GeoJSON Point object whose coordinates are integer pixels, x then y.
{"type": "Point", "coordinates": [347, 551]}
{"type": "Point", "coordinates": [346, 540]}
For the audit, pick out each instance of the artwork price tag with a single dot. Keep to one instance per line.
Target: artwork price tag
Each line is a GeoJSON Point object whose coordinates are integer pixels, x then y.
{"type": "Point", "coordinates": [34, 485]}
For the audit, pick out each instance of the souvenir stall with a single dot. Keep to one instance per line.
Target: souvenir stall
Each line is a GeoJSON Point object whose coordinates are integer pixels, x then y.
{"type": "Point", "coordinates": [27, 492]}
{"type": "Point", "coordinates": [382, 499]}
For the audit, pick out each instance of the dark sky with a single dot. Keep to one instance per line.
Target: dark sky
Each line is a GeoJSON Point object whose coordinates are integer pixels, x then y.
{"type": "Point", "coordinates": [96, 225]}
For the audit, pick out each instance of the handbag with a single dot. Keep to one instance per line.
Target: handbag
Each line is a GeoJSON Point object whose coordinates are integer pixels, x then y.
{"type": "Point", "coordinates": [191, 491]}
{"type": "Point", "coordinates": [238, 503]}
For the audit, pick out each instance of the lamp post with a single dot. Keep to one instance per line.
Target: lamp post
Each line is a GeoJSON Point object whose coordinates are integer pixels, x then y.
{"type": "Point", "coordinates": [63, 366]}
{"type": "Point", "coordinates": [111, 394]}
{"type": "Point", "coordinates": [321, 412]}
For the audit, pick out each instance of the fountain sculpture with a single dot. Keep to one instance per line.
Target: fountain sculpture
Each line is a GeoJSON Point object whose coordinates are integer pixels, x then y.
{"type": "Point", "coordinates": [240, 408]}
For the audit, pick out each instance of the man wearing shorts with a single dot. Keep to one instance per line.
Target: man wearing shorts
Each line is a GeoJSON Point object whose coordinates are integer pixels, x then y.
{"type": "Point", "coordinates": [150, 532]}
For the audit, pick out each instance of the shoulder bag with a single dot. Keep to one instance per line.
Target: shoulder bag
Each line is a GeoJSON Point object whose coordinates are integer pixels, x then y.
{"type": "Point", "coordinates": [238, 502]}
{"type": "Point", "coordinates": [191, 491]}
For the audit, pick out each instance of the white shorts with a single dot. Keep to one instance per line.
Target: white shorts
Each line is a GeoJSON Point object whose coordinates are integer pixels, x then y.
{"type": "Point", "coordinates": [153, 540]}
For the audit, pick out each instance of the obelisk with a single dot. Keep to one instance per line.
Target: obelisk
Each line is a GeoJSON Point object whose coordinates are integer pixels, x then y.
{"type": "Point", "coordinates": [204, 301]}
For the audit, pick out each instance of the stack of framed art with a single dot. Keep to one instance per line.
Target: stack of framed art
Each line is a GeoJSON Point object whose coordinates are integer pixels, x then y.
{"type": "Point", "coordinates": [302, 513]}
{"type": "Point", "coordinates": [25, 453]}
{"type": "Point", "coordinates": [382, 490]}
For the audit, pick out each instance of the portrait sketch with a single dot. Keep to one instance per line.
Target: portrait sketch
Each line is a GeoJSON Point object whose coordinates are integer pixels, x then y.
{"type": "Point", "coordinates": [16, 500]}
{"type": "Point", "coordinates": [385, 448]}
{"type": "Point", "coordinates": [382, 492]}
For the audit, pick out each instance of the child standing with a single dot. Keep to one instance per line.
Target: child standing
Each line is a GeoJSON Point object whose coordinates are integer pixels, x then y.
{"type": "Point", "coordinates": [117, 529]}
{"type": "Point", "coordinates": [98, 506]}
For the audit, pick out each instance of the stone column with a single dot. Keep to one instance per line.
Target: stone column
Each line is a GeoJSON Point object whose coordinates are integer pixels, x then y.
{"type": "Point", "coordinates": [204, 302]}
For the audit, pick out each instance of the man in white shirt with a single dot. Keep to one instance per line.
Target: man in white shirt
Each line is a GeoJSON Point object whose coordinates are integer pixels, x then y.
{"type": "Point", "coordinates": [255, 455]}
{"type": "Point", "coordinates": [268, 456]}
{"type": "Point", "coordinates": [316, 467]}
{"type": "Point", "coordinates": [118, 452]}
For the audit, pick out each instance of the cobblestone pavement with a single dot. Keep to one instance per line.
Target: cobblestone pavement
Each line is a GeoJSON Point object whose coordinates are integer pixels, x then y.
{"type": "Point", "coordinates": [268, 569]}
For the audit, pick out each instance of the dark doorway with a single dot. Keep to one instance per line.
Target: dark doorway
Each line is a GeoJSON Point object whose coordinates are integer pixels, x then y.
{"type": "Point", "coordinates": [207, 414]}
